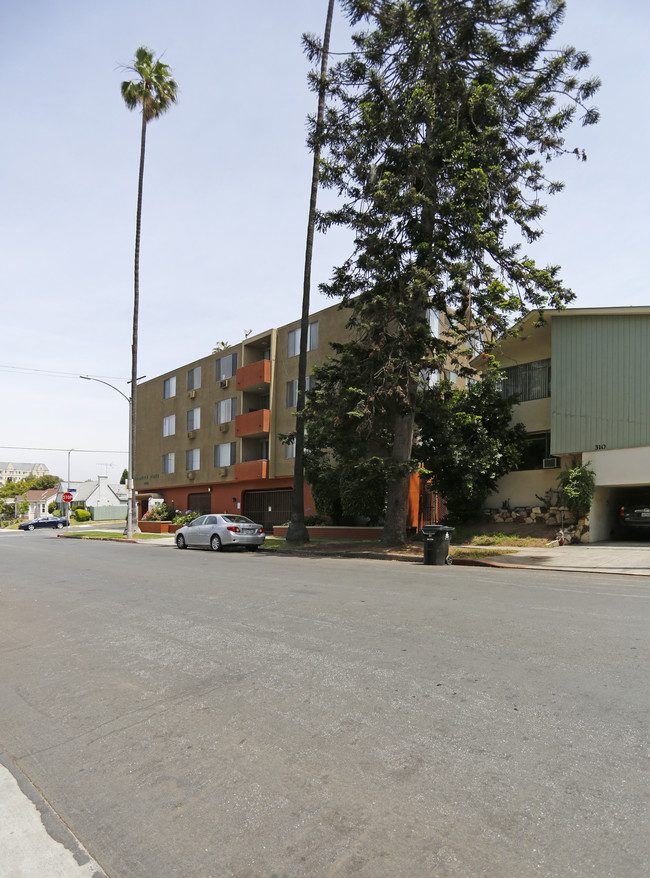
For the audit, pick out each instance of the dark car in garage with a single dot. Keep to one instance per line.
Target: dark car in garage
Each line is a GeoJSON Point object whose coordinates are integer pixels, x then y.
{"type": "Point", "coordinates": [634, 514]}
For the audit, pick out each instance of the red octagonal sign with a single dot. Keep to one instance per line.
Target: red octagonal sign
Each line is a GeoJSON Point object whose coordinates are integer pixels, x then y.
{"type": "Point", "coordinates": [67, 497]}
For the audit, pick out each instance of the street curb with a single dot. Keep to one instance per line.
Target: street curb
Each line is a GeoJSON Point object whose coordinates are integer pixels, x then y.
{"type": "Point", "coordinates": [58, 831]}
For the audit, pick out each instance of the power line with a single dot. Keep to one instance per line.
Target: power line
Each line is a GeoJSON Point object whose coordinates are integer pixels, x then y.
{"type": "Point", "coordinates": [28, 370]}
{"type": "Point", "coordinates": [65, 450]}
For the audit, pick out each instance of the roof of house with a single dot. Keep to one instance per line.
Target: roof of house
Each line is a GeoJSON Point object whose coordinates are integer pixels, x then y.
{"type": "Point", "coordinates": [19, 465]}
{"type": "Point", "coordinates": [41, 496]}
{"type": "Point", "coordinates": [85, 490]}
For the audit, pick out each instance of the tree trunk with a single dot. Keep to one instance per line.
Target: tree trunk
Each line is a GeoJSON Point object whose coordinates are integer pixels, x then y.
{"type": "Point", "coordinates": [297, 533]}
{"type": "Point", "coordinates": [133, 503]}
{"type": "Point", "coordinates": [394, 533]}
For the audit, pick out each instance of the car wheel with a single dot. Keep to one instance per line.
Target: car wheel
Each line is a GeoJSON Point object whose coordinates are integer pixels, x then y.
{"type": "Point", "coordinates": [59, 526]}
{"type": "Point", "coordinates": [180, 541]}
{"type": "Point", "coordinates": [215, 543]}
{"type": "Point", "coordinates": [30, 527]}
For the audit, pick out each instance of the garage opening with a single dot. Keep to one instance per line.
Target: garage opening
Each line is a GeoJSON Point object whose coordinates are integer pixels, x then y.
{"type": "Point", "coordinates": [269, 508]}
{"type": "Point", "coordinates": [199, 503]}
{"type": "Point", "coordinates": [606, 520]}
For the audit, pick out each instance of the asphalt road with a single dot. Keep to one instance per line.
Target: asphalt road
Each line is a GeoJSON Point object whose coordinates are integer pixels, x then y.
{"type": "Point", "coordinates": [208, 715]}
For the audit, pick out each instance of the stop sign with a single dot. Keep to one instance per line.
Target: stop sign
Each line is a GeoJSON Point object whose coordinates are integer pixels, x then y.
{"type": "Point", "coordinates": [67, 497]}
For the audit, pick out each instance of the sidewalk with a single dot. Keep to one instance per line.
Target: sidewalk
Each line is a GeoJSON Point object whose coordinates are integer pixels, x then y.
{"type": "Point", "coordinates": [33, 839]}
{"type": "Point", "coordinates": [630, 558]}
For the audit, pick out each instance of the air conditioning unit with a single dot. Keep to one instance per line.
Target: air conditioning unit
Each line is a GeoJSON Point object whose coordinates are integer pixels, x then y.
{"type": "Point", "coordinates": [192, 394]}
{"type": "Point", "coordinates": [223, 471]}
{"type": "Point", "coordinates": [190, 476]}
{"type": "Point", "coordinates": [550, 463]}
{"type": "Point", "coordinates": [223, 428]}
{"type": "Point", "coordinates": [191, 434]}
{"type": "Point", "coordinates": [224, 383]}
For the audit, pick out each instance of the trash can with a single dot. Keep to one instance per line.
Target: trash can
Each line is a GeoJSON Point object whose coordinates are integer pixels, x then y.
{"type": "Point", "coordinates": [436, 543]}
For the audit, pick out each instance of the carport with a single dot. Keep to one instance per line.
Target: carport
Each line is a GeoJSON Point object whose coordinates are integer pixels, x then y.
{"type": "Point", "coordinates": [619, 473]}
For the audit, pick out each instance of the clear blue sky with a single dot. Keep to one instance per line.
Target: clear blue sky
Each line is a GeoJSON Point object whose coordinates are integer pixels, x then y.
{"type": "Point", "coordinates": [225, 202]}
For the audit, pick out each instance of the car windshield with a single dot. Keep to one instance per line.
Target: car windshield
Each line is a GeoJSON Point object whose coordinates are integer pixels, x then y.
{"type": "Point", "coordinates": [237, 519]}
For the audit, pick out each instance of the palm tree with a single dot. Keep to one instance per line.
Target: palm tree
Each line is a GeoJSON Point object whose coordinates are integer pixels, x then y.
{"type": "Point", "coordinates": [297, 532]}
{"type": "Point", "coordinates": [154, 91]}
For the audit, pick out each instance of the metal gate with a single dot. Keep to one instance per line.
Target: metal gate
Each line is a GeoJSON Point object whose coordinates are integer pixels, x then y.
{"type": "Point", "coordinates": [268, 508]}
{"type": "Point", "coordinates": [199, 503]}
{"type": "Point", "coordinates": [432, 506]}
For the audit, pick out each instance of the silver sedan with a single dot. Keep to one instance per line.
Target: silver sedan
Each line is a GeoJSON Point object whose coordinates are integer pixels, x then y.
{"type": "Point", "coordinates": [218, 531]}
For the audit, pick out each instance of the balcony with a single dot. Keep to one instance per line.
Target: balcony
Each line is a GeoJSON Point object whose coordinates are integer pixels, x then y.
{"type": "Point", "coordinates": [254, 377]}
{"type": "Point", "coordinates": [253, 424]}
{"type": "Point", "coordinates": [251, 469]}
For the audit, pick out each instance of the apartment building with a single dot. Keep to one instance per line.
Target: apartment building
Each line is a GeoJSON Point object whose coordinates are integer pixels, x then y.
{"type": "Point", "coordinates": [582, 382]}
{"type": "Point", "coordinates": [207, 432]}
{"type": "Point", "coordinates": [16, 472]}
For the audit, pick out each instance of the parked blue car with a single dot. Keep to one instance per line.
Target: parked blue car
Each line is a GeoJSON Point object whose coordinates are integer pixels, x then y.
{"type": "Point", "coordinates": [49, 521]}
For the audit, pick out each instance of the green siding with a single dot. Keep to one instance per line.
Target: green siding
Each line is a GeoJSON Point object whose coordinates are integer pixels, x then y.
{"type": "Point", "coordinates": [599, 384]}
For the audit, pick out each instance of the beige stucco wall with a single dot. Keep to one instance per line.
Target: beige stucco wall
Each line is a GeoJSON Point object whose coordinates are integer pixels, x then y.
{"type": "Point", "coordinates": [523, 488]}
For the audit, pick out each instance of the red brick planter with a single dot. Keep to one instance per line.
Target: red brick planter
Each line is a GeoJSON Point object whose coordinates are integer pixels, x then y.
{"type": "Point", "coordinates": [158, 527]}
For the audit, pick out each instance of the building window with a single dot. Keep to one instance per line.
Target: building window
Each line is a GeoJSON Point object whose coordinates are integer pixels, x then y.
{"type": "Point", "coordinates": [169, 387]}
{"type": "Point", "coordinates": [225, 411]}
{"type": "Point", "coordinates": [169, 425]}
{"type": "Point", "coordinates": [225, 454]}
{"type": "Point", "coordinates": [434, 322]}
{"type": "Point", "coordinates": [194, 378]}
{"type": "Point", "coordinates": [536, 448]}
{"type": "Point", "coordinates": [194, 419]}
{"type": "Point", "coordinates": [292, 391]}
{"type": "Point", "coordinates": [168, 462]}
{"type": "Point", "coordinates": [293, 348]}
{"type": "Point", "coordinates": [226, 367]}
{"type": "Point", "coordinates": [193, 459]}
{"type": "Point", "coordinates": [527, 381]}
{"type": "Point", "coordinates": [290, 449]}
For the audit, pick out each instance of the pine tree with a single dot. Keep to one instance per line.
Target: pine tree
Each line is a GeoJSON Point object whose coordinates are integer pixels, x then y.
{"type": "Point", "coordinates": [438, 134]}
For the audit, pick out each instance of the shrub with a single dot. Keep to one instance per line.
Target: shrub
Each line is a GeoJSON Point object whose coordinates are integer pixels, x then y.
{"type": "Point", "coordinates": [160, 512]}
{"type": "Point", "coordinates": [578, 486]}
{"type": "Point", "coordinates": [80, 514]}
{"type": "Point", "coordinates": [185, 517]}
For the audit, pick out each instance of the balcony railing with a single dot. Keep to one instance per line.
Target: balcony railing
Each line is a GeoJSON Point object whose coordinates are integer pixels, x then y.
{"type": "Point", "coordinates": [251, 469]}
{"type": "Point", "coordinates": [253, 424]}
{"type": "Point", "coordinates": [255, 376]}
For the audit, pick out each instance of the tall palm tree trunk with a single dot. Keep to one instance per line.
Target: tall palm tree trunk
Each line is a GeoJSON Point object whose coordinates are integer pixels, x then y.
{"type": "Point", "coordinates": [134, 345]}
{"type": "Point", "coordinates": [297, 532]}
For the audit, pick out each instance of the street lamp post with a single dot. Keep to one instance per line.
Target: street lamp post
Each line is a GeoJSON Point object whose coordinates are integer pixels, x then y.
{"type": "Point", "coordinates": [130, 485]}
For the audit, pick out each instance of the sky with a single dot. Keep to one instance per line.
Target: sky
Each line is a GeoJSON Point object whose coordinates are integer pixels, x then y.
{"type": "Point", "coordinates": [225, 198]}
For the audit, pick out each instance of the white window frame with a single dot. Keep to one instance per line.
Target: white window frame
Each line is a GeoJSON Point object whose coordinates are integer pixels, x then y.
{"type": "Point", "coordinates": [292, 391]}
{"type": "Point", "coordinates": [169, 425]}
{"type": "Point", "coordinates": [192, 459]}
{"type": "Point", "coordinates": [293, 339]}
{"type": "Point", "coordinates": [194, 378]}
{"type": "Point", "coordinates": [225, 454]}
{"type": "Point", "coordinates": [169, 387]}
{"type": "Point", "coordinates": [168, 463]}
{"type": "Point", "coordinates": [225, 407]}
{"type": "Point", "coordinates": [194, 418]}
{"type": "Point", "coordinates": [225, 367]}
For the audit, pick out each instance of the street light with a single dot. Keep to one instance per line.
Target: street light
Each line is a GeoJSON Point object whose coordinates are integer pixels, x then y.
{"type": "Point", "coordinates": [130, 485]}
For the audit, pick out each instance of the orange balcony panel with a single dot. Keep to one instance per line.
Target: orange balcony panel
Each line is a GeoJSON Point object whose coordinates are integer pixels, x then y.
{"type": "Point", "coordinates": [254, 376]}
{"type": "Point", "coordinates": [251, 469]}
{"type": "Point", "coordinates": [253, 424]}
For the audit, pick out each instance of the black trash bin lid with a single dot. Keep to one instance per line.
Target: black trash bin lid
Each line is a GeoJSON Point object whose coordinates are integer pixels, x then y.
{"type": "Point", "coordinates": [436, 528]}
